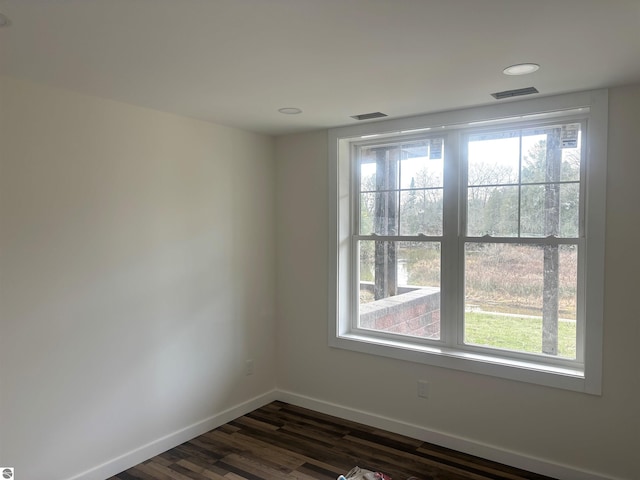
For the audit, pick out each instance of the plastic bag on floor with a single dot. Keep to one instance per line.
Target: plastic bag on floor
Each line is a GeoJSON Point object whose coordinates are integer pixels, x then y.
{"type": "Point", "coordinates": [357, 473]}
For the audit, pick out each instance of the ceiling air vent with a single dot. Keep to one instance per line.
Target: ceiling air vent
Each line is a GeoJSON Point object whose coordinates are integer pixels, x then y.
{"type": "Point", "coordinates": [369, 116]}
{"type": "Point", "coordinates": [514, 93]}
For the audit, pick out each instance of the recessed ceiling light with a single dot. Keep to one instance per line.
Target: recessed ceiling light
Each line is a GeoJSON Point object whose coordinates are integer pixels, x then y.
{"type": "Point", "coordinates": [521, 69]}
{"type": "Point", "coordinates": [290, 110]}
{"type": "Point", "coordinates": [4, 21]}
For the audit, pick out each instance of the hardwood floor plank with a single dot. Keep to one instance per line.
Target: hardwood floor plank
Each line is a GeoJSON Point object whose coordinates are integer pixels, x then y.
{"type": "Point", "coordinates": [318, 472]}
{"type": "Point", "coordinates": [255, 423]}
{"type": "Point", "coordinates": [133, 474]}
{"type": "Point", "coordinates": [398, 459]}
{"type": "Point", "coordinates": [150, 469]}
{"type": "Point", "coordinates": [391, 461]}
{"type": "Point", "coordinates": [255, 467]}
{"type": "Point", "coordinates": [272, 453]}
{"type": "Point", "coordinates": [285, 442]}
{"type": "Point", "coordinates": [233, 476]}
{"type": "Point", "coordinates": [186, 473]}
{"type": "Point", "coordinates": [240, 472]}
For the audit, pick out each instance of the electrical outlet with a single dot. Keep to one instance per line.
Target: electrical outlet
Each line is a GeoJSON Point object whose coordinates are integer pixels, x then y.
{"type": "Point", "coordinates": [423, 389]}
{"type": "Point", "coordinates": [248, 366]}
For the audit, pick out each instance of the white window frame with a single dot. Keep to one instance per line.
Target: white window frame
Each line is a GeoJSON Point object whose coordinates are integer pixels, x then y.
{"type": "Point", "coordinates": [582, 375]}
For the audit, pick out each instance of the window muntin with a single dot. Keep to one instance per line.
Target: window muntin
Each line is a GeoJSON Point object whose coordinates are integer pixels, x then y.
{"type": "Point", "coordinates": [582, 373]}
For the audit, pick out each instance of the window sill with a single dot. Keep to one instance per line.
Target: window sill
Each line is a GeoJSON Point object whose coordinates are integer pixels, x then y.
{"type": "Point", "coordinates": [484, 364]}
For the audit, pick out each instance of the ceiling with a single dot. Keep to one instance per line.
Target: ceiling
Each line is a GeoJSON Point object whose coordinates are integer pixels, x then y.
{"type": "Point", "coordinates": [236, 62]}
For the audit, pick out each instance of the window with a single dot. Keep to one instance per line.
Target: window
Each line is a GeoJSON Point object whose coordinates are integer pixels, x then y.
{"type": "Point", "coordinates": [460, 239]}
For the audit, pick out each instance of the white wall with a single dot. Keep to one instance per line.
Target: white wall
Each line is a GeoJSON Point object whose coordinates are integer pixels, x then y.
{"type": "Point", "coordinates": [597, 434]}
{"type": "Point", "coordinates": [137, 274]}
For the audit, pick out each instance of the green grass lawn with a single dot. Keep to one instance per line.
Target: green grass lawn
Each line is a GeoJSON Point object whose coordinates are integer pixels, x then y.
{"type": "Point", "coordinates": [516, 333]}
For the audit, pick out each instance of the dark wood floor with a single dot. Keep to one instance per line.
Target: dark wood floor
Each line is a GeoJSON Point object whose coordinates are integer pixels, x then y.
{"type": "Point", "coordinates": [284, 442]}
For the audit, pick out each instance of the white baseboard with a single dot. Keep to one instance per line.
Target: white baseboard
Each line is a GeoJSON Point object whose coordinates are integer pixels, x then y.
{"type": "Point", "coordinates": [151, 449]}
{"type": "Point", "coordinates": [514, 459]}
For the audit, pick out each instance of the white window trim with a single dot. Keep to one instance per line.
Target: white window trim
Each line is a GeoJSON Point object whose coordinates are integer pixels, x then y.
{"type": "Point", "coordinates": [588, 379]}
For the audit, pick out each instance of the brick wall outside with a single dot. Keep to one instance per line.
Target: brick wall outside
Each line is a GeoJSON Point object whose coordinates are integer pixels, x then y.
{"type": "Point", "coordinates": [416, 313]}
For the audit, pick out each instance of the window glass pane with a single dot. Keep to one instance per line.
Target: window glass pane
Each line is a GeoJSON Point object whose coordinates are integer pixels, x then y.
{"type": "Point", "coordinates": [493, 158]}
{"type": "Point", "coordinates": [418, 168]}
{"type": "Point", "coordinates": [421, 212]}
{"type": "Point", "coordinates": [367, 212]}
{"type": "Point", "coordinates": [570, 170]}
{"type": "Point", "coordinates": [414, 158]}
{"type": "Point", "coordinates": [551, 209]}
{"type": "Point", "coordinates": [570, 210]}
{"type": "Point", "coordinates": [492, 211]}
{"type": "Point", "coordinates": [367, 175]}
{"type": "Point", "coordinates": [534, 157]}
{"type": "Point", "coordinates": [546, 156]}
{"type": "Point", "coordinates": [379, 213]}
{"type": "Point", "coordinates": [542, 205]}
{"type": "Point", "coordinates": [521, 297]}
{"type": "Point", "coordinates": [532, 211]}
{"type": "Point", "coordinates": [400, 287]}
{"type": "Point", "coordinates": [379, 167]}
{"type": "Point", "coordinates": [379, 173]}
